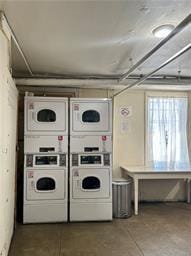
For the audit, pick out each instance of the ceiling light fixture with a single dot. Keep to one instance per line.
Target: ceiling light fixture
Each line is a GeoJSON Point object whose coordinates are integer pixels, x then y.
{"type": "Point", "coordinates": [163, 31]}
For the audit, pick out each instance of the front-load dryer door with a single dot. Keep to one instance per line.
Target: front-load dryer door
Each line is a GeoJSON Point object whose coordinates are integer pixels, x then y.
{"type": "Point", "coordinates": [91, 117]}
{"type": "Point", "coordinates": [91, 183]}
{"type": "Point", "coordinates": [45, 184]}
{"type": "Point", "coordinates": [46, 116]}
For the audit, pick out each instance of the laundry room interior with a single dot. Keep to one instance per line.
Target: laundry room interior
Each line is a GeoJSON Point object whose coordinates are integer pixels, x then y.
{"type": "Point", "coordinates": [95, 131]}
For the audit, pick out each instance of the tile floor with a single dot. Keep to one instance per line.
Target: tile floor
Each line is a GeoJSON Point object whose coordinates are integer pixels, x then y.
{"type": "Point", "coordinates": [161, 229]}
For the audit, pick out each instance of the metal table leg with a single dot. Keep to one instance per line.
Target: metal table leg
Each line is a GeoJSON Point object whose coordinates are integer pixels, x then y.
{"type": "Point", "coordinates": [188, 191]}
{"type": "Point", "coordinates": [136, 195]}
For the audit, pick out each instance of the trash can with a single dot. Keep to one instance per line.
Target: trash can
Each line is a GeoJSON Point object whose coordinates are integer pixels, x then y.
{"type": "Point", "coordinates": [122, 198]}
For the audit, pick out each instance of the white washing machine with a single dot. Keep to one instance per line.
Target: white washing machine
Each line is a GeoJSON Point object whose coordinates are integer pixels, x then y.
{"type": "Point", "coordinates": [45, 188]}
{"type": "Point", "coordinates": [91, 178]}
{"type": "Point", "coordinates": [90, 116]}
{"type": "Point", "coordinates": [90, 187]}
{"type": "Point", "coordinates": [46, 115]}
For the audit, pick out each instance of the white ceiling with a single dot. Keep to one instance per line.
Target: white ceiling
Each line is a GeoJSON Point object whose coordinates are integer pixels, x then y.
{"type": "Point", "coordinates": [96, 37]}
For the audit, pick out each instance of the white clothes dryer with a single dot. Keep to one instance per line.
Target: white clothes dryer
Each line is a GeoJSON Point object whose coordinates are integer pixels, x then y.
{"type": "Point", "coordinates": [46, 115]}
{"type": "Point", "coordinates": [90, 116]}
{"type": "Point", "coordinates": [45, 188]}
{"type": "Point", "coordinates": [45, 195]}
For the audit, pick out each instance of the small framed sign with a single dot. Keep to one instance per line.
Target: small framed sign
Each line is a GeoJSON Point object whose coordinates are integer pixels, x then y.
{"type": "Point", "coordinates": [126, 111]}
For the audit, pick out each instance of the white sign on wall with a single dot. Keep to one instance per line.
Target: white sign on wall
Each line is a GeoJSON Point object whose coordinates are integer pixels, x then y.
{"type": "Point", "coordinates": [125, 123]}
{"type": "Point", "coordinates": [126, 111]}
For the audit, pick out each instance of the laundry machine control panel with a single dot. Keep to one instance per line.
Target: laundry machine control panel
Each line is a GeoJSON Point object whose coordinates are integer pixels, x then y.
{"type": "Point", "coordinates": [75, 161]}
{"type": "Point", "coordinates": [91, 149]}
{"type": "Point", "coordinates": [29, 160]}
{"type": "Point", "coordinates": [46, 149]}
{"type": "Point", "coordinates": [91, 144]}
{"type": "Point", "coordinates": [45, 144]}
{"type": "Point", "coordinates": [33, 160]}
{"type": "Point", "coordinates": [106, 159]}
{"type": "Point", "coordinates": [63, 160]}
{"type": "Point", "coordinates": [91, 159]}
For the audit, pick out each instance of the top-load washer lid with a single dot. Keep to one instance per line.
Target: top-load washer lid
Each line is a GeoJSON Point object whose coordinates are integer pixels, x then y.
{"type": "Point", "coordinates": [91, 116]}
{"type": "Point", "coordinates": [46, 115]}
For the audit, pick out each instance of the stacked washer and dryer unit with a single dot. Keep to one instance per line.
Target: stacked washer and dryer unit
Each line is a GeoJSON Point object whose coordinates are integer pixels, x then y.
{"type": "Point", "coordinates": [45, 160]}
{"type": "Point", "coordinates": [90, 159]}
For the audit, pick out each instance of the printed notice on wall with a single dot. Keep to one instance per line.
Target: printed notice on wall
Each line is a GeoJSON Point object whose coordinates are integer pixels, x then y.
{"type": "Point", "coordinates": [124, 127]}
{"type": "Point", "coordinates": [125, 121]}
{"type": "Point", "coordinates": [125, 111]}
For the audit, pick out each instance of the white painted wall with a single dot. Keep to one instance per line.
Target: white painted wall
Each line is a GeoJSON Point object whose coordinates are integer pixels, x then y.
{"type": "Point", "coordinates": [94, 93]}
{"type": "Point", "coordinates": [129, 148]}
{"type": "Point", "coordinates": [8, 124]}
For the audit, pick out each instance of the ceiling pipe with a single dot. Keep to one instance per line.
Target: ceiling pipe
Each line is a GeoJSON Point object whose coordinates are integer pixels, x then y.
{"type": "Point", "coordinates": [174, 32]}
{"type": "Point", "coordinates": [95, 77]}
{"type": "Point", "coordinates": [4, 18]}
{"type": "Point", "coordinates": [100, 83]}
{"type": "Point", "coordinates": [175, 56]}
{"type": "Point", "coordinates": [86, 83]}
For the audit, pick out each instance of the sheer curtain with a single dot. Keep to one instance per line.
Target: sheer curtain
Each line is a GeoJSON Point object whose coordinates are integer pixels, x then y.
{"type": "Point", "coordinates": [167, 132]}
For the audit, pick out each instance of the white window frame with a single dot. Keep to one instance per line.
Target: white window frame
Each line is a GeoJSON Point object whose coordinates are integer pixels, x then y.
{"type": "Point", "coordinates": [160, 95]}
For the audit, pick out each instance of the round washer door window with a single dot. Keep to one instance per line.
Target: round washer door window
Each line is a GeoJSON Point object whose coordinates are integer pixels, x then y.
{"type": "Point", "coordinates": [91, 182]}
{"type": "Point", "coordinates": [46, 184]}
{"type": "Point", "coordinates": [46, 116]}
{"type": "Point", "coordinates": [91, 116]}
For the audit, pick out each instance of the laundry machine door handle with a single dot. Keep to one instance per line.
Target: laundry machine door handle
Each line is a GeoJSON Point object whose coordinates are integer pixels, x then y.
{"type": "Point", "coordinates": [32, 185]}
{"type": "Point", "coordinates": [78, 183]}
{"type": "Point", "coordinates": [33, 115]}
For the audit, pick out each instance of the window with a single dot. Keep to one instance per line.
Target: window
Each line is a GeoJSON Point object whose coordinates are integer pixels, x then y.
{"type": "Point", "coordinates": [167, 132]}
{"type": "Point", "coordinates": [91, 183]}
{"type": "Point", "coordinates": [45, 184]}
{"type": "Point", "coordinates": [46, 115]}
{"type": "Point", "coordinates": [91, 116]}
